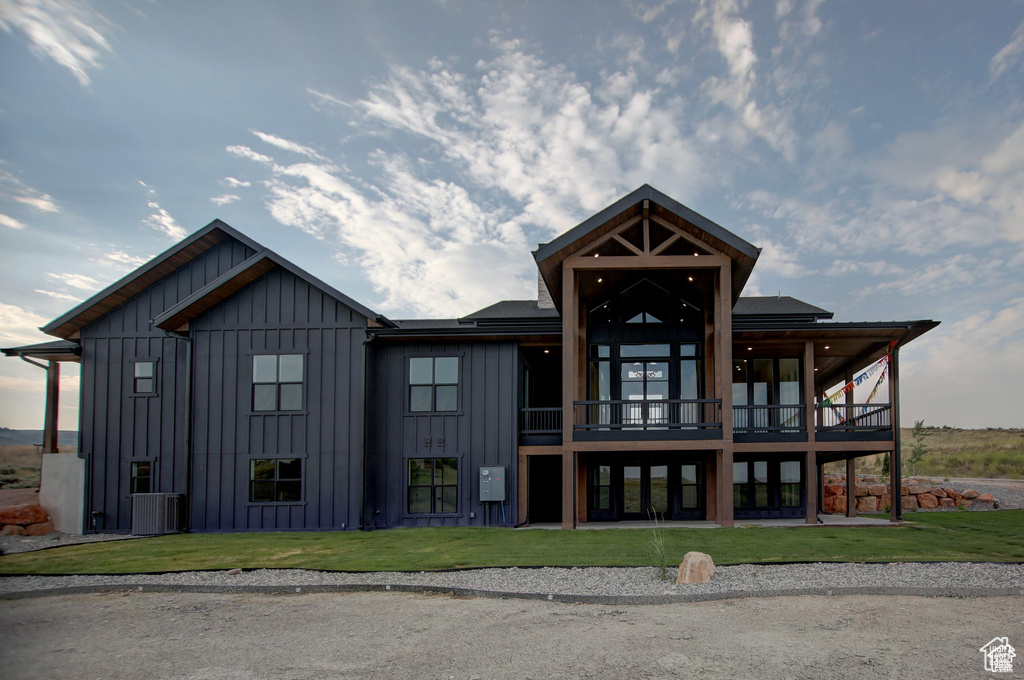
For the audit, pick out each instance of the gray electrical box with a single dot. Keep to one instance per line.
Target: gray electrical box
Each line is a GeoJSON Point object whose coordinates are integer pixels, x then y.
{"type": "Point", "coordinates": [492, 484]}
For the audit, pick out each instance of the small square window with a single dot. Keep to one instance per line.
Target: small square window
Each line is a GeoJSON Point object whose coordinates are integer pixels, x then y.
{"type": "Point", "coordinates": [144, 379]}
{"type": "Point", "coordinates": [142, 477]}
{"type": "Point", "coordinates": [275, 480]}
{"type": "Point", "coordinates": [434, 384]}
{"type": "Point", "coordinates": [277, 382]}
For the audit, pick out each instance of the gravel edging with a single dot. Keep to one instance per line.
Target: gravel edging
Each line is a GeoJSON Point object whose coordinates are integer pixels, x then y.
{"type": "Point", "coordinates": [596, 585]}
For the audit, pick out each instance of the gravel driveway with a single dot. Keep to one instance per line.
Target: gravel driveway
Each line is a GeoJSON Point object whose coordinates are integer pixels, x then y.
{"type": "Point", "coordinates": [399, 635]}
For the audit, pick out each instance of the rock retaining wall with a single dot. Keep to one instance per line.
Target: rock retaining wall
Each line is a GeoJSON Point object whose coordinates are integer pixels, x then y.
{"type": "Point", "coordinates": [25, 520]}
{"type": "Point", "coordinates": [872, 494]}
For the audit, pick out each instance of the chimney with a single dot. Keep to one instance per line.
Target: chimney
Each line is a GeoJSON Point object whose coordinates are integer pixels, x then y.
{"type": "Point", "coordinates": [544, 300]}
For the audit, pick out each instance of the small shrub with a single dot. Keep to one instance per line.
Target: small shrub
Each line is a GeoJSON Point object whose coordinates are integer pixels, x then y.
{"type": "Point", "coordinates": [995, 504]}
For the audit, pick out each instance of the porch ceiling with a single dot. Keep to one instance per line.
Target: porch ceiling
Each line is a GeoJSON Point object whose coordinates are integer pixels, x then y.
{"type": "Point", "coordinates": [838, 347]}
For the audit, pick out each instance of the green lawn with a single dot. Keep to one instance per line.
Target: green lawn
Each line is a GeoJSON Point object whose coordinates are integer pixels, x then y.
{"type": "Point", "coordinates": [958, 536]}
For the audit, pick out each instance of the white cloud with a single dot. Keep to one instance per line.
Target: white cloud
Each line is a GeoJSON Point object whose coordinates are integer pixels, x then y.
{"type": "Point", "coordinates": [122, 260]}
{"type": "Point", "coordinates": [287, 145]}
{"type": "Point", "coordinates": [69, 384]}
{"type": "Point", "coordinates": [734, 38]}
{"type": "Point", "coordinates": [1008, 55]}
{"type": "Point", "coordinates": [235, 183]}
{"type": "Point", "coordinates": [323, 98]}
{"type": "Point", "coordinates": [225, 199]}
{"type": "Point", "coordinates": [8, 221]}
{"type": "Point", "coordinates": [20, 326]}
{"type": "Point", "coordinates": [80, 281]}
{"type": "Point", "coordinates": [161, 220]}
{"type": "Point", "coordinates": [58, 295]}
{"type": "Point", "coordinates": [968, 373]}
{"type": "Point", "coordinates": [67, 31]}
{"type": "Point", "coordinates": [42, 203]}
{"type": "Point", "coordinates": [246, 152]}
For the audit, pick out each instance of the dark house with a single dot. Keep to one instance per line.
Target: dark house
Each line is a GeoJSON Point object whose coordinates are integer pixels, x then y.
{"type": "Point", "coordinates": [228, 389]}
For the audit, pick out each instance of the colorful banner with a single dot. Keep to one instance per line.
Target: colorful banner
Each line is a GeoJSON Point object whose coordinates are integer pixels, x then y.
{"type": "Point", "coordinates": [863, 377]}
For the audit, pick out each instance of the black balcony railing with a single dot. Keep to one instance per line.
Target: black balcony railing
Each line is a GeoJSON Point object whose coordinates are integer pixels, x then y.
{"type": "Point", "coordinates": [769, 419]}
{"type": "Point", "coordinates": [547, 420]}
{"type": "Point", "coordinates": [854, 418]}
{"type": "Point", "coordinates": [648, 414]}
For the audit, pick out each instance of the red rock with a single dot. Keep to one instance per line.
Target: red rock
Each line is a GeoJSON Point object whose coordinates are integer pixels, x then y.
{"type": "Point", "coordinates": [970, 493]}
{"type": "Point", "coordinates": [13, 530]}
{"type": "Point", "coordinates": [965, 503]}
{"type": "Point", "coordinates": [877, 489]}
{"type": "Point", "coordinates": [867, 504]}
{"type": "Point", "coordinates": [909, 502]}
{"type": "Point", "coordinates": [884, 502]}
{"type": "Point", "coordinates": [950, 493]}
{"type": "Point", "coordinates": [927, 501]}
{"type": "Point", "coordinates": [32, 513]}
{"type": "Point", "coordinates": [872, 479]}
{"type": "Point", "coordinates": [834, 490]}
{"type": "Point", "coordinates": [918, 488]}
{"type": "Point", "coordinates": [40, 529]}
{"type": "Point", "coordinates": [697, 567]}
{"type": "Point", "coordinates": [938, 492]}
{"type": "Point", "coordinates": [985, 498]}
{"type": "Point", "coordinates": [834, 505]}
{"type": "Point", "coordinates": [947, 502]}
{"type": "Point", "coordinates": [904, 491]}
{"type": "Point", "coordinates": [861, 490]}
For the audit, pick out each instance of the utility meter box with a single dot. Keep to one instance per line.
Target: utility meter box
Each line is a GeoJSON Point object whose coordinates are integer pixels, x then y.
{"type": "Point", "coordinates": [492, 484]}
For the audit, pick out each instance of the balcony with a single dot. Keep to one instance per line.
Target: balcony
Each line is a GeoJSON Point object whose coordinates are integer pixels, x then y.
{"type": "Point", "coordinates": [854, 422]}
{"type": "Point", "coordinates": [540, 426]}
{"type": "Point", "coordinates": [647, 419]}
{"type": "Point", "coordinates": [769, 423]}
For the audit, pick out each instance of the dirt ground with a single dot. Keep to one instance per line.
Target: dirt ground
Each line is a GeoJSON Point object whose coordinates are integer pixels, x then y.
{"type": "Point", "coordinates": [392, 635]}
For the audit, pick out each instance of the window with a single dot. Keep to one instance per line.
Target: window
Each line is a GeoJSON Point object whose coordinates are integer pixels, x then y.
{"type": "Point", "coordinates": [142, 477]}
{"type": "Point", "coordinates": [789, 483]}
{"type": "Point", "coordinates": [275, 480]}
{"type": "Point", "coordinates": [434, 384]}
{"type": "Point", "coordinates": [145, 377]}
{"type": "Point", "coordinates": [433, 486]}
{"type": "Point", "coordinates": [277, 382]}
{"type": "Point", "coordinates": [601, 487]}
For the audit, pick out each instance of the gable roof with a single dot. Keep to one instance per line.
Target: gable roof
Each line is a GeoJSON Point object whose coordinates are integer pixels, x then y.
{"type": "Point", "coordinates": [773, 307]}
{"type": "Point", "coordinates": [69, 324]}
{"type": "Point", "coordinates": [549, 256]}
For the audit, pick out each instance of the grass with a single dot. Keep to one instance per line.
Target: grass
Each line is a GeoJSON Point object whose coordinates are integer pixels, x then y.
{"type": "Point", "coordinates": [19, 465]}
{"type": "Point", "coordinates": [953, 452]}
{"type": "Point", "coordinates": [954, 536]}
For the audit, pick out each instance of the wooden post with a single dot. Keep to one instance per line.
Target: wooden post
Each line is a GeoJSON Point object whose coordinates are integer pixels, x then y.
{"type": "Point", "coordinates": [895, 471]}
{"type": "Point", "coordinates": [570, 387]}
{"type": "Point", "coordinates": [851, 487]}
{"type": "Point", "coordinates": [50, 431]}
{"type": "Point", "coordinates": [723, 373]}
{"type": "Point", "coordinates": [521, 487]}
{"type": "Point", "coordinates": [811, 459]}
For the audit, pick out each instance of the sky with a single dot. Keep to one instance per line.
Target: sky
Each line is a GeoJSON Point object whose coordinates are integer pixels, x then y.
{"type": "Point", "coordinates": [413, 154]}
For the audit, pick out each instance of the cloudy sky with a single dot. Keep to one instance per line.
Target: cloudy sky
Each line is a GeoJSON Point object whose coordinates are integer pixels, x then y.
{"type": "Point", "coordinates": [412, 154]}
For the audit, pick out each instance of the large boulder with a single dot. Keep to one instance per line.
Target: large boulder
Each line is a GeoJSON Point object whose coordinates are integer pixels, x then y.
{"type": "Point", "coordinates": [867, 504]}
{"type": "Point", "coordinates": [985, 498]}
{"type": "Point", "coordinates": [40, 529]}
{"type": "Point", "coordinates": [877, 489]}
{"type": "Point", "coordinates": [918, 488]}
{"type": "Point", "coordinates": [951, 493]}
{"type": "Point", "coordinates": [927, 501]}
{"type": "Point", "coordinates": [697, 567]}
{"type": "Point", "coordinates": [910, 502]}
{"type": "Point", "coordinates": [947, 502]}
{"type": "Point", "coordinates": [834, 490]}
{"type": "Point", "coordinates": [32, 513]}
{"type": "Point", "coordinates": [862, 490]}
{"type": "Point", "coordinates": [834, 505]}
{"type": "Point", "coordinates": [938, 492]}
{"type": "Point", "coordinates": [13, 530]}
{"type": "Point", "coordinates": [970, 493]}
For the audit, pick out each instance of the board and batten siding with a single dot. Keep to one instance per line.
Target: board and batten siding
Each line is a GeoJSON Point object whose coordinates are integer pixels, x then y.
{"type": "Point", "coordinates": [117, 427]}
{"type": "Point", "coordinates": [278, 314]}
{"type": "Point", "coordinates": [481, 433]}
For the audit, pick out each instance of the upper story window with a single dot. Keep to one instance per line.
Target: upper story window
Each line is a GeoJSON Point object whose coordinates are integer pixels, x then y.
{"type": "Point", "coordinates": [433, 384]}
{"type": "Point", "coordinates": [144, 380]}
{"type": "Point", "coordinates": [277, 382]}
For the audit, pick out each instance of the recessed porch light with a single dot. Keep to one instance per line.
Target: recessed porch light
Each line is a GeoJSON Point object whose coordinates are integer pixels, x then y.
{"type": "Point", "coordinates": [547, 351]}
{"type": "Point", "coordinates": [750, 349]}
{"type": "Point", "coordinates": [826, 346]}
{"type": "Point", "coordinates": [599, 280]}
{"type": "Point", "coordinates": [690, 278]}
{"type": "Point", "coordinates": [597, 254]}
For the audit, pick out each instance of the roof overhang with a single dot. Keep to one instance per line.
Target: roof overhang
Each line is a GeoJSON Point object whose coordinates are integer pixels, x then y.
{"type": "Point", "coordinates": [61, 350]}
{"type": "Point", "coordinates": [549, 256]}
{"type": "Point", "coordinates": [838, 347]}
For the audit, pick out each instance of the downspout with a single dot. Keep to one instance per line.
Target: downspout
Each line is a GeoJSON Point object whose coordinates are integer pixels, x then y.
{"type": "Point", "coordinates": [187, 444]}
{"type": "Point", "coordinates": [366, 523]}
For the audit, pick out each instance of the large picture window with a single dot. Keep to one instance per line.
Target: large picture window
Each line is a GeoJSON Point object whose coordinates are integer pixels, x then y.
{"type": "Point", "coordinates": [275, 480]}
{"type": "Point", "coordinates": [277, 382]}
{"type": "Point", "coordinates": [433, 486]}
{"type": "Point", "coordinates": [434, 384]}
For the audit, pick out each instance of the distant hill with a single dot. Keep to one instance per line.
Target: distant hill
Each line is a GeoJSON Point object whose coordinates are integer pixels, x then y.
{"type": "Point", "coordinates": [21, 437]}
